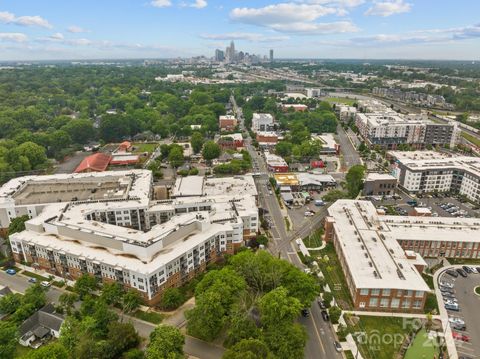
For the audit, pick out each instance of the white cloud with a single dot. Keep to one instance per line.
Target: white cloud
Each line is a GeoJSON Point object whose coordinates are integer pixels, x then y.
{"type": "Point", "coordinates": [388, 8]}
{"type": "Point", "coordinates": [78, 42]}
{"type": "Point", "coordinates": [298, 18]}
{"type": "Point", "coordinates": [13, 37]}
{"type": "Point", "coordinates": [9, 18]}
{"type": "Point", "coordinates": [248, 36]}
{"type": "Point", "coordinates": [161, 3]}
{"type": "Point", "coordinates": [199, 4]}
{"type": "Point", "coordinates": [57, 36]}
{"type": "Point", "coordinates": [76, 29]}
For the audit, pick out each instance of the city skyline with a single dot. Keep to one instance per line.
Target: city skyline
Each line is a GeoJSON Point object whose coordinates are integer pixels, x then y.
{"type": "Point", "coordinates": [362, 29]}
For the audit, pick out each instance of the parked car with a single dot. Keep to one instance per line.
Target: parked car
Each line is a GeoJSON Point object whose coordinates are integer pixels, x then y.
{"type": "Point", "coordinates": [474, 270]}
{"type": "Point", "coordinates": [461, 327]}
{"type": "Point", "coordinates": [325, 316]}
{"type": "Point", "coordinates": [462, 273]}
{"type": "Point", "coordinates": [32, 280]}
{"type": "Point", "coordinates": [467, 269]}
{"type": "Point", "coordinates": [454, 307]}
{"type": "Point", "coordinates": [321, 304]}
{"type": "Point", "coordinates": [446, 289]}
{"type": "Point", "coordinates": [309, 213]}
{"type": "Point", "coordinates": [45, 284]}
{"type": "Point", "coordinates": [460, 336]}
{"type": "Point", "coordinates": [11, 271]}
{"type": "Point", "coordinates": [456, 320]}
{"type": "Point", "coordinates": [338, 346]}
{"type": "Point", "coordinates": [452, 273]}
{"type": "Point", "coordinates": [446, 284]}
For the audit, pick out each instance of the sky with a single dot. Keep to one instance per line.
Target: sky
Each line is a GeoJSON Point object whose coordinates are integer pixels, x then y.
{"type": "Point", "coordinates": [360, 29]}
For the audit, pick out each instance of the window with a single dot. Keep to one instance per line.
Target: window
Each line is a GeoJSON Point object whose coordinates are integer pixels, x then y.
{"type": "Point", "coordinates": [395, 303]}
{"type": "Point", "coordinates": [384, 303]}
{"type": "Point", "coordinates": [385, 292]}
{"type": "Point", "coordinates": [417, 304]}
{"type": "Point", "coordinates": [419, 294]}
{"type": "Point", "coordinates": [363, 291]}
{"type": "Point", "coordinates": [409, 293]}
{"type": "Point", "coordinates": [373, 302]}
{"type": "Point", "coordinates": [361, 304]}
{"type": "Point", "coordinates": [375, 292]}
{"type": "Point", "coordinates": [406, 303]}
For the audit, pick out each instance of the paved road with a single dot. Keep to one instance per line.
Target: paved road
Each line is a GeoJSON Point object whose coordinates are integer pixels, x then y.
{"type": "Point", "coordinates": [193, 346]}
{"type": "Point", "coordinates": [71, 162]}
{"type": "Point", "coordinates": [350, 154]}
{"type": "Point", "coordinates": [320, 334]}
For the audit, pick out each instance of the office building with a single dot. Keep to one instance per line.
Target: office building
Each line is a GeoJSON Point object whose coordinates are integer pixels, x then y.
{"type": "Point", "coordinates": [107, 225]}
{"type": "Point", "coordinates": [219, 55]}
{"type": "Point", "coordinates": [227, 122]}
{"type": "Point", "coordinates": [275, 163]}
{"type": "Point", "coordinates": [429, 172]}
{"type": "Point", "coordinates": [262, 122]}
{"type": "Point", "coordinates": [271, 55]}
{"type": "Point", "coordinates": [379, 184]}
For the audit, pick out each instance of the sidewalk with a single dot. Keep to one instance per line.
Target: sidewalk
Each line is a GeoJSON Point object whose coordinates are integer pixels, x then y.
{"type": "Point", "coordinates": [395, 315]}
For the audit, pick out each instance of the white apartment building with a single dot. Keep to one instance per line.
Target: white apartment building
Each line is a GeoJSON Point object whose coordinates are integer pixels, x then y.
{"type": "Point", "coordinates": [429, 171]}
{"type": "Point", "coordinates": [262, 122]}
{"type": "Point", "coordinates": [112, 229]}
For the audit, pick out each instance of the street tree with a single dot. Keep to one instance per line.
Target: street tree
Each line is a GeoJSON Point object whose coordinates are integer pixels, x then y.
{"type": "Point", "coordinates": [197, 142]}
{"type": "Point", "coordinates": [85, 284]}
{"type": "Point", "coordinates": [286, 341]}
{"type": "Point", "coordinates": [165, 342]}
{"type": "Point", "coordinates": [8, 339]}
{"type": "Point", "coordinates": [277, 307]}
{"type": "Point", "coordinates": [248, 349]}
{"type": "Point", "coordinates": [112, 293]}
{"type": "Point", "coordinates": [206, 319]}
{"type": "Point", "coordinates": [211, 150]}
{"type": "Point", "coordinates": [354, 180]}
{"type": "Point", "coordinates": [131, 301]}
{"type": "Point", "coordinates": [172, 298]}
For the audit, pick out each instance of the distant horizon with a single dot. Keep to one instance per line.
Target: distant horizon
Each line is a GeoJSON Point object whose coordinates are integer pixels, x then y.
{"type": "Point", "coordinates": [51, 30]}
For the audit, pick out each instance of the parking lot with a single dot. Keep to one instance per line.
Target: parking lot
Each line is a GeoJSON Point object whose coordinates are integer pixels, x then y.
{"type": "Point", "coordinates": [468, 303]}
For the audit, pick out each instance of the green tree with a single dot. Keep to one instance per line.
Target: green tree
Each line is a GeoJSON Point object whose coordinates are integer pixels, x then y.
{"type": "Point", "coordinates": [121, 337]}
{"type": "Point", "coordinates": [85, 284]}
{"type": "Point", "coordinates": [354, 180]}
{"type": "Point", "coordinates": [50, 351]}
{"type": "Point", "coordinates": [277, 308]}
{"type": "Point", "coordinates": [67, 301]}
{"type": "Point", "coordinates": [284, 149]}
{"type": "Point", "coordinates": [172, 298]}
{"type": "Point", "coordinates": [241, 327]}
{"type": "Point", "coordinates": [17, 224]}
{"type": "Point", "coordinates": [34, 153]}
{"type": "Point", "coordinates": [165, 342]}
{"type": "Point", "coordinates": [206, 319]}
{"type": "Point", "coordinates": [134, 354]}
{"type": "Point", "coordinates": [8, 339]}
{"type": "Point", "coordinates": [10, 303]}
{"type": "Point", "coordinates": [80, 131]}
{"type": "Point", "coordinates": [175, 157]}
{"type": "Point", "coordinates": [248, 349]}
{"type": "Point", "coordinates": [197, 142]}
{"type": "Point", "coordinates": [327, 298]}
{"type": "Point", "coordinates": [112, 293]}
{"type": "Point", "coordinates": [131, 301]}
{"type": "Point", "coordinates": [286, 341]}
{"type": "Point", "coordinates": [335, 313]}
{"type": "Point", "coordinates": [211, 150]}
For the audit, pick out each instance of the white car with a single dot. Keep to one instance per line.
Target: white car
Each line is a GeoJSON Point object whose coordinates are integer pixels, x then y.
{"type": "Point", "coordinates": [308, 214]}
{"type": "Point", "coordinates": [446, 284]}
{"type": "Point", "coordinates": [456, 320]}
{"type": "Point", "coordinates": [474, 270]}
{"type": "Point", "coordinates": [45, 284]}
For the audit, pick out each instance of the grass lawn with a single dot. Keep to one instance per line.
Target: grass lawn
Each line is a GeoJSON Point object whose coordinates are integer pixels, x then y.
{"type": "Point", "coordinates": [422, 347]}
{"type": "Point", "coordinates": [428, 279]}
{"type": "Point", "coordinates": [383, 336]}
{"type": "Point", "coordinates": [35, 275]}
{"type": "Point", "coordinates": [331, 269]}
{"type": "Point", "coordinates": [145, 147]}
{"type": "Point", "coordinates": [151, 317]}
{"type": "Point", "coordinates": [471, 138]}
{"type": "Point", "coordinates": [348, 354]}
{"type": "Point", "coordinates": [468, 261]}
{"type": "Point", "coordinates": [315, 240]}
{"type": "Point", "coordinates": [477, 290]}
{"type": "Point", "coordinates": [346, 101]}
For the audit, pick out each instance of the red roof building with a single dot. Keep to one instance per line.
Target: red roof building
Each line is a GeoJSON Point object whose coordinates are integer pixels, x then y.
{"type": "Point", "coordinates": [124, 146]}
{"type": "Point", "coordinates": [97, 162]}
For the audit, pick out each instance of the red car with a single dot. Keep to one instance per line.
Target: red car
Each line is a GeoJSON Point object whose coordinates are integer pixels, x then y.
{"type": "Point", "coordinates": [460, 336]}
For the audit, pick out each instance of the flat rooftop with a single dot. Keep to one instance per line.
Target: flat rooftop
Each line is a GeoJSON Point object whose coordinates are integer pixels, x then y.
{"type": "Point", "coordinates": [373, 256]}
{"type": "Point", "coordinates": [379, 177]}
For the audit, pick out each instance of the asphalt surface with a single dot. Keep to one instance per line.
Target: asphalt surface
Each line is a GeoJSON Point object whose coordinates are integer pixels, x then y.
{"type": "Point", "coordinates": [469, 303]}
{"type": "Point", "coordinates": [71, 162]}
{"type": "Point", "coordinates": [320, 334]}
{"type": "Point", "coordinates": [350, 154]}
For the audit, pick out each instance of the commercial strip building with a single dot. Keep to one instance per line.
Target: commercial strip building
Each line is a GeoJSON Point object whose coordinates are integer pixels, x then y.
{"type": "Point", "coordinates": [267, 139]}
{"type": "Point", "coordinates": [379, 184]}
{"type": "Point", "coordinates": [303, 181]}
{"type": "Point", "coordinates": [263, 122]}
{"type": "Point", "coordinates": [381, 256]}
{"type": "Point", "coordinates": [107, 225]}
{"type": "Point", "coordinates": [232, 141]}
{"type": "Point", "coordinates": [329, 144]}
{"type": "Point", "coordinates": [227, 123]}
{"type": "Point", "coordinates": [429, 171]}
{"type": "Point", "coordinates": [275, 163]}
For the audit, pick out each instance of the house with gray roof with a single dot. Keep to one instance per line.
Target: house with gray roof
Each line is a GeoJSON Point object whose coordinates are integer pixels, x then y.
{"type": "Point", "coordinates": [40, 327]}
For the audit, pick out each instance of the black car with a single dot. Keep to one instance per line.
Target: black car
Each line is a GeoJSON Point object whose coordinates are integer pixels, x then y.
{"type": "Point", "coordinates": [321, 304]}
{"type": "Point", "coordinates": [325, 316]}
{"type": "Point", "coordinates": [467, 269]}
{"type": "Point", "coordinates": [462, 272]}
{"type": "Point", "coordinates": [452, 273]}
{"type": "Point", "coordinates": [305, 313]}
{"type": "Point", "coordinates": [478, 269]}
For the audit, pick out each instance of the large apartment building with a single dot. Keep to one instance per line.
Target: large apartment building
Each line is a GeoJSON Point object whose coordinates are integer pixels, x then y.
{"type": "Point", "coordinates": [381, 256]}
{"type": "Point", "coordinates": [106, 224]}
{"type": "Point", "coordinates": [388, 129]}
{"type": "Point", "coordinates": [429, 171]}
{"type": "Point", "coordinates": [263, 122]}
